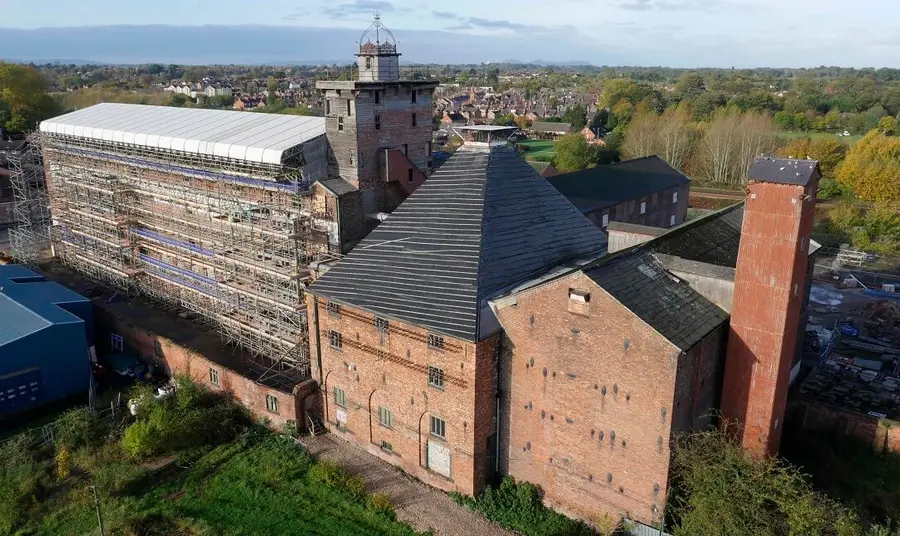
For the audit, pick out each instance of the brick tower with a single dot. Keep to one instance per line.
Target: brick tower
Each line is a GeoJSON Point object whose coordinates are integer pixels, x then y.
{"type": "Point", "coordinates": [768, 299]}
{"type": "Point", "coordinates": [379, 126]}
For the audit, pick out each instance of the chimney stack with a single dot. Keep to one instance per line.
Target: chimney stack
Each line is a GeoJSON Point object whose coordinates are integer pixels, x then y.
{"type": "Point", "coordinates": [768, 299]}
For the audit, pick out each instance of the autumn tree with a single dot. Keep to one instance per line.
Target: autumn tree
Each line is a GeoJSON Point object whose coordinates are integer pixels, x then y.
{"type": "Point", "coordinates": [24, 101]}
{"type": "Point", "coordinates": [573, 153]}
{"type": "Point", "coordinates": [828, 151]}
{"type": "Point", "coordinates": [671, 136]}
{"type": "Point", "coordinates": [732, 141]}
{"type": "Point", "coordinates": [872, 168]}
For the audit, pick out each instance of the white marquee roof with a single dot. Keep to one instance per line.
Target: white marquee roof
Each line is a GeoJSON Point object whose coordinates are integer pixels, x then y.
{"type": "Point", "coordinates": [248, 136]}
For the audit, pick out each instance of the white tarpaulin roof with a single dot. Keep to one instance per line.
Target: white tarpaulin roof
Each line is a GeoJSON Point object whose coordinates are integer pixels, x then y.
{"type": "Point", "coordinates": [248, 136]}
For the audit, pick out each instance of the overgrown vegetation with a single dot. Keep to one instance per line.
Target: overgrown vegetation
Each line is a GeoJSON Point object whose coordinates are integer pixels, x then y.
{"type": "Point", "coordinates": [518, 506]}
{"type": "Point", "coordinates": [722, 491]}
{"type": "Point", "coordinates": [193, 464]}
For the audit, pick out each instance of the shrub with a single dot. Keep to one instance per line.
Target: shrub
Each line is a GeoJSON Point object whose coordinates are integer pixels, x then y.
{"type": "Point", "coordinates": [381, 503]}
{"type": "Point", "coordinates": [78, 428]}
{"type": "Point", "coordinates": [22, 479]}
{"type": "Point", "coordinates": [63, 463]}
{"type": "Point", "coordinates": [519, 506]}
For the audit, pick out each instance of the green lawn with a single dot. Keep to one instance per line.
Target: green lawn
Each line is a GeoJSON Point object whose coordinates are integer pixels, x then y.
{"type": "Point", "coordinates": [541, 150]}
{"type": "Point", "coordinates": [849, 140]}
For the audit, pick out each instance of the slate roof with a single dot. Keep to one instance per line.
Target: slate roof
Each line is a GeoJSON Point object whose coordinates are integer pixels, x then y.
{"type": "Point", "coordinates": [713, 239]}
{"type": "Point", "coordinates": [784, 171]}
{"type": "Point", "coordinates": [484, 222]}
{"type": "Point", "coordinates": [641, 283]}
{"type": "Point", "coordinates": [605, 186]}
{"type": "Point", "coordinates": [337, 186]}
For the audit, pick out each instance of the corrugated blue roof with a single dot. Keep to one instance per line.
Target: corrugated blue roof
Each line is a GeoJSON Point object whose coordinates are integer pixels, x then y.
{"type": "Point", "coordinates": [29, 303]}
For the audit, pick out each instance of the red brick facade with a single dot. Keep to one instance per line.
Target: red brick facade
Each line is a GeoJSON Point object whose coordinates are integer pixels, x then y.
{"type": "Point", "coordinates": [882, 434]}
{"type": "Point", "coordinates": [370, 372]}
{"type": "Point", "coordinates": [199, 362]}
{"type": "Point", "coordinates": [592, 397]}
{"type": "Point", "coordinates": [768, 297]}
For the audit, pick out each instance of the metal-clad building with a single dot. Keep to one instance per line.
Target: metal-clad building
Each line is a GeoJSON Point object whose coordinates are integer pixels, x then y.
{"type": "Point", "coordinates": [45, 334]}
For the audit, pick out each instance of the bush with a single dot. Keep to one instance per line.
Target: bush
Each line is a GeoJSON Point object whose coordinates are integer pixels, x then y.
{"type": "Point", "coordinates": [22, 479]}
{"type": "Point", "coordinates": [78, 428]}
{"type": "Point", "coordinates": [519, 506]}
{"type": "Point", "coordinates": [381, 503]}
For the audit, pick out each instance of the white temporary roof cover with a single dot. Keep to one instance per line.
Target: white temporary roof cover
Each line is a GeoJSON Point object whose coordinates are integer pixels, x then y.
{"type": "Point", "coordinates": [254, 137]}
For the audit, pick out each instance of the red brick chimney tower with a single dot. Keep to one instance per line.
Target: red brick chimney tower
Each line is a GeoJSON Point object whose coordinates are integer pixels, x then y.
{"type": "Point", "coordinates": [768, 298]}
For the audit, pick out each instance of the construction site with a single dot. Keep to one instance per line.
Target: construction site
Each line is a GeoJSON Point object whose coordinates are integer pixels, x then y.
{"type": "Point", "coordinates": [207, 212]}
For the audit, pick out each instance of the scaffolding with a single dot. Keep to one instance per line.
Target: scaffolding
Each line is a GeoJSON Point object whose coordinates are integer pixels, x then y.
{"type": "Point", "coordinates": [227, 240]}
{"type": "Point", "coordinates": [29, 239]}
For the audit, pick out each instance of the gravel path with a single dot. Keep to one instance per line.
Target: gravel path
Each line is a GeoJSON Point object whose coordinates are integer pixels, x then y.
{"type": "Point", "coordinates": [422, 507]}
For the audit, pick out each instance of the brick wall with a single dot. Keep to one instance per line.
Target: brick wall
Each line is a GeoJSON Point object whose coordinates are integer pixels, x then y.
{"type": "Point", "coordinates": [178, 359]}
{"type": "Point", "coordinates": [659, 209]}
{"type": "Point", "coordinates": [882, 434]}
{"type": "Point", "coordinates": [587, 402]}
{"type": "Point", "coordinates": [389, 370]}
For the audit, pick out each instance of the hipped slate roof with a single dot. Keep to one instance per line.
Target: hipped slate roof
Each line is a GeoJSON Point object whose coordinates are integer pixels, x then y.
{"type": "Point", "coordinates": [641, 283]}
{"type": "Point", "coordinates": [605, 186]}
{"type": "Point", "coordinates": [259, 138]}
{"type": "Point", "coordinates": [784, 170]}
{"type": "Point", "coordinates": [482, 223]}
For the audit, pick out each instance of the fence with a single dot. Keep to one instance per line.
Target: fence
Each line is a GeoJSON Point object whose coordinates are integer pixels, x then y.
{"type": "Point", "coordinates": [45, 435]}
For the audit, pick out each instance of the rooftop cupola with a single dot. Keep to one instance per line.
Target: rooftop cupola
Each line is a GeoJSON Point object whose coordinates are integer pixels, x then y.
{"type": "Point", "coordinates": [378, 60]}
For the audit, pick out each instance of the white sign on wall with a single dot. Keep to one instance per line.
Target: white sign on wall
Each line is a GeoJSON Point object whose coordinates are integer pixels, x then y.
{"type": "Point", "coordinates": [439, 458]}
{"type": "Point", "coordinates": [341, 416]}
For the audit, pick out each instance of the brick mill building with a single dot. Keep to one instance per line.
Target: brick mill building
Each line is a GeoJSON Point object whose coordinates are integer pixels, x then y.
{"type": "Point", "coordinates": [584, 366]}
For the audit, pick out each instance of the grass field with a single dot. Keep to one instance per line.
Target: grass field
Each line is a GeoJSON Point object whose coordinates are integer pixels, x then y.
{"type": "Point", "coordinates": [541, 150]}
{"type": "Point", "coordinates": [849, 140]}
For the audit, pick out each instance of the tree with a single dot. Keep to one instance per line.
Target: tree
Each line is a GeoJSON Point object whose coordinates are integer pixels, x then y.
{"type": "Point", "coordinates": [522, 122]}
{"type": "Point", "coordinates": [670, 136]}
{"type": "Point", "coordinates": [599, 120]}
{"type": "Point", "coordinates": [887, 125]}
{"type": "Point", "coordinates": [178, 100]}
{"type": "Point", "coordinates": [576, 115]}
{"type": "Point", "coordinates": [828, 151]}
{"type": "Point", "coordinates": [872, 168]}
{"type": "Point", "coordinates": [724, 492]}
{"type": "Point", "coordinates": [690, 86]}
{"type": "Point", "coordinates": [731, 143]}
{"type": "Point", "coordinates": [573, 153]}
{"type": "Point", "coordinates": [23, 90]}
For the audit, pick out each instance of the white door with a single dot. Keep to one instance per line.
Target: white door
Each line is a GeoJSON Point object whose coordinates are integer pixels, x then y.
{"type": "Point", "coordinates": [439, 458]}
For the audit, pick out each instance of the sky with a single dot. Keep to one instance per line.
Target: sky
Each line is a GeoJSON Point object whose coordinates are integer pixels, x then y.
{"type": "Point", "coordinates": [686, 33]}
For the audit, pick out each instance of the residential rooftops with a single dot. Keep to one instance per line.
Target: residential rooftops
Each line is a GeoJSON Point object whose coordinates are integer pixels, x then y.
{"type": "Point", "coordinates": [484, 222]}
{"type": "Point", "coordinates": [609, 185]}
{"type": "Point", "coordinates": [257, 138]}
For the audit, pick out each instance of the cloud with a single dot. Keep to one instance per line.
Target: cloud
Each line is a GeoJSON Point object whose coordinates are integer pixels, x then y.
{"type": "Point", "coordinates": [670, 5]}
{"type": "Point", "coordinates": [359, 7]}
{"type": "Point", "coordinates": [480, 23]}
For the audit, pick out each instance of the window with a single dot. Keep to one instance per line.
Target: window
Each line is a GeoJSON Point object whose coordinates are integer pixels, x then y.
{"type": "Point", "coordinates": [675, 197]}
{"type": "Point", "coordinates": [413, 119]}
{"type": "Point", "coordinates": [334, 309]}
{"type": "Point", "coordinates": [340, 124]}
{"type": "Point", "coordinates": [385, 446]}
{"type": "Point", "coordinates": [643, 207]}
{"type": "Point", "coordinates": [352, 157]}
{"type": "Point", "coordinates": [271, 404]}
{"type": "Point", "coordinates": [369, 65]}
{"type": "Point", "coordinates": [377, 122]}
{"type": "Point", "coordinates": [381, 324]}
{"type": "Point", "coordinates": [672, 220]}
{"type": "Point", "coordinates": [340, 397]}
{"type": "Point", "coordinates": [435, 342]}
{"type": "Point", "coordinates": [428, 148]}
{"type": "Point", "coordinates": [385, 417]}
{"type": "Point", "coordinates": [377, 96]}
{"type": "Point", "coordinates": [213, 376]}
{"type": "Point", "coordinates": [334, 339]}
{"type": "Point", "coordinates": [349, 107]}
{"type": "Point", "coordinates": [405, 149]}
{"type": "Point", "coordinates": [409, 175]}
{"type": "Point", "coordinates": [605, 220]}
{"type": "Point", "coordinates": [157, 348]}
{"type": "Point", "coordinates": [438, 427]}
{"type": "Point", "coordinates": [116, 343]}
{"type": "Point", "coordinates": [435, 377]}
{"type": "Point", "coordinates": [413, 94]}
{"type": "Point", "coordinates": [327, 107]}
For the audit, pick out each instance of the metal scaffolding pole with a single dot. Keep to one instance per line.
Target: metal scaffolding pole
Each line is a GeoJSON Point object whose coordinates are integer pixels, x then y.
{"type": "Point", "coordinates": [29, 239]}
